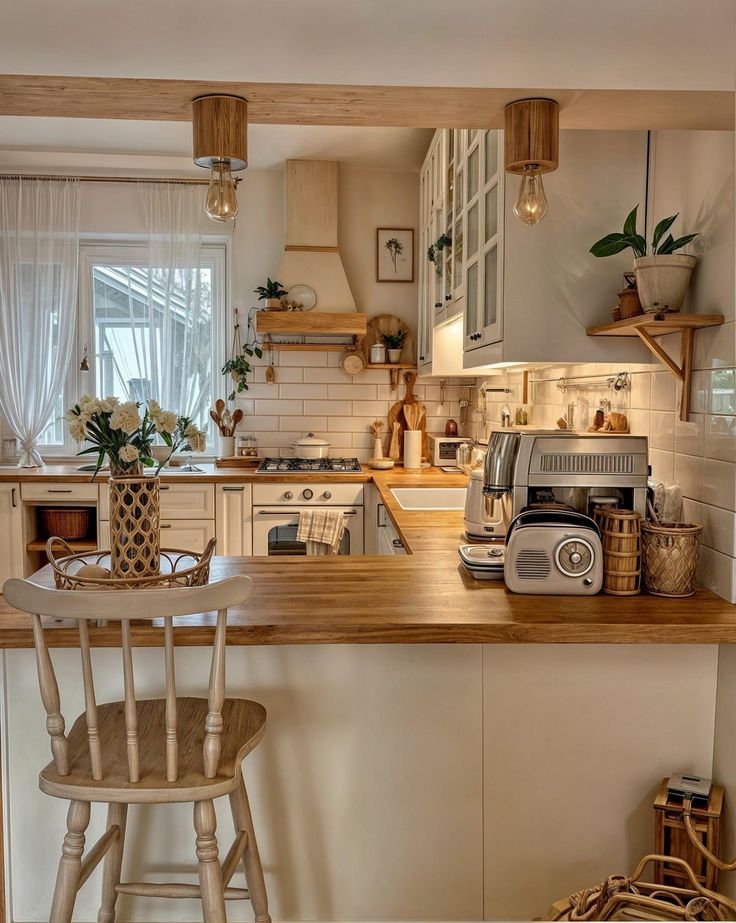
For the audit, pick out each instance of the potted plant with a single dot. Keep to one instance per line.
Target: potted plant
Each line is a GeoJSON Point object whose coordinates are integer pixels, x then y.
{"type": "Point", "coordinates": [394, 343]}
{"type": "Point", "coordinates": [434, 252]}
{"type": "Point", "coordinates": [662, 277]}
{"type": "Point", "coordinates": [271, 294]}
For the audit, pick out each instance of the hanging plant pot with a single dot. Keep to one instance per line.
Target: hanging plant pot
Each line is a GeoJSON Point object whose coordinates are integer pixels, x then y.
{"type": "Point", "coordinates": [663, 280]}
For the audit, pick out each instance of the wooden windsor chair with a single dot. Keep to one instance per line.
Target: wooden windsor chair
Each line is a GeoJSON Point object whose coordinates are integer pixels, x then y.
{"type": "Point", "coordinates": [148, 751]}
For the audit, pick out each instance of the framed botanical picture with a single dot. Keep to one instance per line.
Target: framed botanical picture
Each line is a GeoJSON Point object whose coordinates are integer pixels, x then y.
{"type": "Point", "coordinates": [394, 254]}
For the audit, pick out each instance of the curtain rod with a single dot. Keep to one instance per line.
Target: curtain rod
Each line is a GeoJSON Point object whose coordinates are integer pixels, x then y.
{"type": "Point", "coordinates": [185, 181]}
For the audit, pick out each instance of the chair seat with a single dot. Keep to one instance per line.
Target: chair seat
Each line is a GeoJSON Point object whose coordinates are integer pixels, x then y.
{"type": "Point", "coordinates": [243, 726]}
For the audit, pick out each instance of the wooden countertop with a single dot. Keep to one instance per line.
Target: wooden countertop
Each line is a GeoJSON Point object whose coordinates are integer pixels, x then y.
{"type": "Point", "coordinates": [422, 597]}
{"type": "Point", "coordinates": [208, 475]}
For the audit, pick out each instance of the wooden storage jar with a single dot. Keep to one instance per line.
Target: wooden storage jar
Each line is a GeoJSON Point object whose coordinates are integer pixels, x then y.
{"type": "Point", "coordinates": [621, 531]}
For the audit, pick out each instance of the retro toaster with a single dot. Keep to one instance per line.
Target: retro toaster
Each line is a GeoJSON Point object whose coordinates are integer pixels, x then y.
{"type": "Point", "coordinates": [553, 552]}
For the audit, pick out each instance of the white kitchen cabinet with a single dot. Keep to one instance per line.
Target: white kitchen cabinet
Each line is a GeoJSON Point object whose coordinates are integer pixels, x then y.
{"type": "Point", "coordinates": [186, 534]}
{"type": "Point", "coordinates": [11, 533]}
{"type": "Point", "coordinates": [234, 519]}
{"type": "Point", "coordinates": [188, 501]}
{"type": "Point", "coordinates": [388, 541]}
{"type": "Point", "coordinates": [527, 294]}
{"type": "Point", "coordinates": [371, 499]}
{"type": "Point", "coordinates": [483, 241]}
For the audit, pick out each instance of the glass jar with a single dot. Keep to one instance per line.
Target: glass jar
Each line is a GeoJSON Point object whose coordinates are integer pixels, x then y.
{"type": "Point", "coordinates": [248, 446]}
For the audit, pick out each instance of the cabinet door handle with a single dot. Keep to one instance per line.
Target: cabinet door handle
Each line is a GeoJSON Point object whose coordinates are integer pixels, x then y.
{"type": "Point", "coordinates": [12, 498]}
{"type": "Point", "coordinates": [241, 488]}
{"type": "Point", "coordinates": [397, 543]}
{"type": "Point", "coordinates": [68, 490]}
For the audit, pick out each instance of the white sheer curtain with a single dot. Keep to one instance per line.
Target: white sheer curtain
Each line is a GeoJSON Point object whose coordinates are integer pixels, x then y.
{"type": "Point", "coordinates": [39, 261]}
{"type": "Point", "coordinates": [169, 333]}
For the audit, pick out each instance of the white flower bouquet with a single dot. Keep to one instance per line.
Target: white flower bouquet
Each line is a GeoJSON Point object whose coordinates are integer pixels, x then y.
{"type": "Point", "coordinates": [119, 431]}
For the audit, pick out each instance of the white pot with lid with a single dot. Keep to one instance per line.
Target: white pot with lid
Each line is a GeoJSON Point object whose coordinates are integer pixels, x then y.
{"type": "Point", "coordinates": [311, 446]}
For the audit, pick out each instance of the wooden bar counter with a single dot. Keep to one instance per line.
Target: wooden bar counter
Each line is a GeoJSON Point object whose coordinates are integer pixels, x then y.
{"type": "Point", "coordinates": [422, 597]}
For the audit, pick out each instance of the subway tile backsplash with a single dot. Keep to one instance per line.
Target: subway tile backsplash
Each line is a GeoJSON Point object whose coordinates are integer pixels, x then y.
{"type": "Point", "coordinates": [312, 393]}
{"type": "Point", "coordinates": [699, 454]}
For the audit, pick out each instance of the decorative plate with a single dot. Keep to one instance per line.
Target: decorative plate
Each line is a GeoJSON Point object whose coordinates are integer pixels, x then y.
{"type": "Point", "coordinates": [352, 363]}
{"type": "Point", "coordinates": [304, 294]}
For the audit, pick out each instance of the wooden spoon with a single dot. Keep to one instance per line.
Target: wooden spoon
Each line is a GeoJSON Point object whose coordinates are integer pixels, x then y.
{"type": "Point", "coordinates": [219, 406]}
{"type": "Point", "coordinates": [218, 422]}
{"type": "Point", "coordinates": [411, 415]}
{"type": "Point", "coordinates": [394, 450]}
{"type": "Point", "coordinates": [237, 417]}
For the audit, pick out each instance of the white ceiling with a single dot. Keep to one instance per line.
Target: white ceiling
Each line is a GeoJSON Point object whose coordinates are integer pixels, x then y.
{"type": "Point", "coordinates": [657, 44]}
{"type": "Point", "coordinates": [108, 144]}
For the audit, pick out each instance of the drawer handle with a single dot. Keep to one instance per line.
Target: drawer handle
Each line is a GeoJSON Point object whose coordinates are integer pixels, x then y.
{"type": "Point", "coordinates": [397, 543]}
{"type": "Point", "coordinates": [68, 490]}
{"type": "Point", "coordinates": [164, 487]}
{"type": "Point", "coordinates": [165, 525]}
{"type": "Point", "coordinates": [241, 488]}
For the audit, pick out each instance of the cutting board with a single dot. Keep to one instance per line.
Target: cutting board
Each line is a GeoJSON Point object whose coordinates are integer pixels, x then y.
{"type": "Point", "coordinates": [396, 413]}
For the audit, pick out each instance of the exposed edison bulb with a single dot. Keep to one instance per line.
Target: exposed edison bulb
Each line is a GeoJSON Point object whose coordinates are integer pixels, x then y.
{"type": "Point", "coordinates": [222, 203]}
{"type": "Point", "coordinates": [531, 204]}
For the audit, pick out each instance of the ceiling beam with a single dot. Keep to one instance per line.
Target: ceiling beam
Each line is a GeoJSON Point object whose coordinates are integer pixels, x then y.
{"type": "Point", "coordinates": [328, 104]}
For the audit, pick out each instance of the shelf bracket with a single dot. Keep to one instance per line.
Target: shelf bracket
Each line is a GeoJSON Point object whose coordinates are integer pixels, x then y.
{"type": "Point", "coordinates": [683, 371]}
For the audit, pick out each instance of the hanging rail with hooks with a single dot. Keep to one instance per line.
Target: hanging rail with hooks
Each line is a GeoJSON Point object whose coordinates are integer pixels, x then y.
{"type": "Point", "coordinates": [620, 381]}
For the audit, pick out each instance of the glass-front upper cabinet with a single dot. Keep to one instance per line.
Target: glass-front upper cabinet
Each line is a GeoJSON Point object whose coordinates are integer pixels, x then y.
{"type": "Point", "coordinates": [483, 241]}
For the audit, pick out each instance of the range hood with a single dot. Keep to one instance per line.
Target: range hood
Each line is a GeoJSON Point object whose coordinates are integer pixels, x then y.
{"type": "Point", "coordinates": [311, 254]}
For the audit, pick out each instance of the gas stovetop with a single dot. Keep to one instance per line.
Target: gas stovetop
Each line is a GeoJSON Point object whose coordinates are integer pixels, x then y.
{"type": "Point", "coordinates": [301, 465]}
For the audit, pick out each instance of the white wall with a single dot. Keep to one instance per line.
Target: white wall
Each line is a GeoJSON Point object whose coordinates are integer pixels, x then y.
{"type": "Point", "coordinates": [396, 782]}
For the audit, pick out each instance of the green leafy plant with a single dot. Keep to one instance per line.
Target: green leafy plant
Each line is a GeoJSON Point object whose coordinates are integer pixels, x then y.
{"type": "Point", "coordinates": [271, 289]}
{"type": "Point", "coordinates": [395, 340]}
{"type": "Point", "coordinates": [435, 250]}
{"type": "Point", "coordinates": [618, 241]}
{"type": "Point", "coordinates": [238, 368]}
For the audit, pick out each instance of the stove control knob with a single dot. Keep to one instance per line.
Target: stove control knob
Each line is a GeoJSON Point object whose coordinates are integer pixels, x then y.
{"type": "Point", "coordinates": [289, 495]}
{"type": "Point", "coordinates": [326, 495]}
{"type": "Point", "coordinates": [576, 557]}
{"type": "Point", "coordinates": [307, 494]}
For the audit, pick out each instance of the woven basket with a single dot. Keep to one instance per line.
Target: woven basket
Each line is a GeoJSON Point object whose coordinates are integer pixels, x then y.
{"type": "Point", "coordinates": [135, 539]}
{"type": "Point", "coordinates": [66, 522]}
{"type": "Point", "coordinates": [670, 553]}
{"type": "Point", "coordinates": [621, 551]}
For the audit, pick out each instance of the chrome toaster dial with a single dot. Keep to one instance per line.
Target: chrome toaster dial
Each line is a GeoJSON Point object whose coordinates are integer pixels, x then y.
{"type": "Point", "coordinates": [574, 557]}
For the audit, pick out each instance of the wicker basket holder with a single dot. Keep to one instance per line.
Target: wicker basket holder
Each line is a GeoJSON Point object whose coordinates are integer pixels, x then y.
{"type": "Point", "coordinates": [91, 570]}
{"type": "Point", "coordinates": [621, 531]}
{"type": "Point", "coordinates": [670, 553]}
{"type": "Point", "coordinates": [135, 541]}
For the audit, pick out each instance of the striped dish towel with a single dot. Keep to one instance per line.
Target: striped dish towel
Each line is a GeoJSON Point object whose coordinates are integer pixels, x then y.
{"type": "Point", "coordinates": [321, 530]}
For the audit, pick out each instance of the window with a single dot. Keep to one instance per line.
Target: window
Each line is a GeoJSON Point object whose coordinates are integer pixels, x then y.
{"type": "Point", "coordinates": [149, 333]}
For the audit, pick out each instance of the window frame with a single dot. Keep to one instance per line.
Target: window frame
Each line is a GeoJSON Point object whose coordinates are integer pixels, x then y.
{"type": "Point", "coordinates": [133, 250]}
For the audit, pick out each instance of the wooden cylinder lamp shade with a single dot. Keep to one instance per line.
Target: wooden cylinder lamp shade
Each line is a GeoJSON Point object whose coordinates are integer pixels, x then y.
{"type": "Point", "coordinates": [220, 126]}
{"type": "Point", "coordinates": [532, 135]}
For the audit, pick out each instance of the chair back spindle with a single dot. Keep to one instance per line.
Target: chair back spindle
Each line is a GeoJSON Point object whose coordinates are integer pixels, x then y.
{"type": "Point", "coordinates": [124, 607]}
{"type": "Point", "coordinates": [172, 742]}
{"type": "Point", "coordinates": [90, 703]}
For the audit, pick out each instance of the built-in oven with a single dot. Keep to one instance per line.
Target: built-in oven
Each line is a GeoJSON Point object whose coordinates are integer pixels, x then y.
{"type": "Point", "coordinates": [276, 509]}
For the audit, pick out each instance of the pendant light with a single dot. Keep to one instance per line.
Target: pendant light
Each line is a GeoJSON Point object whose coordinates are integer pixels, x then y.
{"type": "Point", "coordinates": [531, 148]}
{"type": "Point", "coordinates": [220, 125]}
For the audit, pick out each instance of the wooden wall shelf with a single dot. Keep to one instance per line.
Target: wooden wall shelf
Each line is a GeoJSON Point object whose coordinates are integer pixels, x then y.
{"type": "Point", "coordinates": [312, 323]}
{"type": "Point", "coordinates": [394, 368]}
{"type": "Point", "coordinates": [648, 326]}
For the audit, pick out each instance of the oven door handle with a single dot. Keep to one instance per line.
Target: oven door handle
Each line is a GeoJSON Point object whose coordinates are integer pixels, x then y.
{"type": "Point", "coordinates": [286, 514]}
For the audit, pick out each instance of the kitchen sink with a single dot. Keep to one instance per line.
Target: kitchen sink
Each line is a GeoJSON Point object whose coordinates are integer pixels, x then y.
{"type": "Point", "coordinates": [429, 498]}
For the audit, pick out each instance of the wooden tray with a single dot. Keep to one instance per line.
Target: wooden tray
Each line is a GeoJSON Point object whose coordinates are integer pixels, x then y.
{"type": "Point", "coordinates": [238, 461]}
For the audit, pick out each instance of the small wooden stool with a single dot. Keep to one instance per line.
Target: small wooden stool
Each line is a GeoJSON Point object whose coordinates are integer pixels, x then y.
{"type": "Point", "coordinates": [671, 839]}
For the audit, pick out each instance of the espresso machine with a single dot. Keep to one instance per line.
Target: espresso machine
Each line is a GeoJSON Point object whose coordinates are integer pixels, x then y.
{"type": "Point", "coordinates": [554, 469]}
